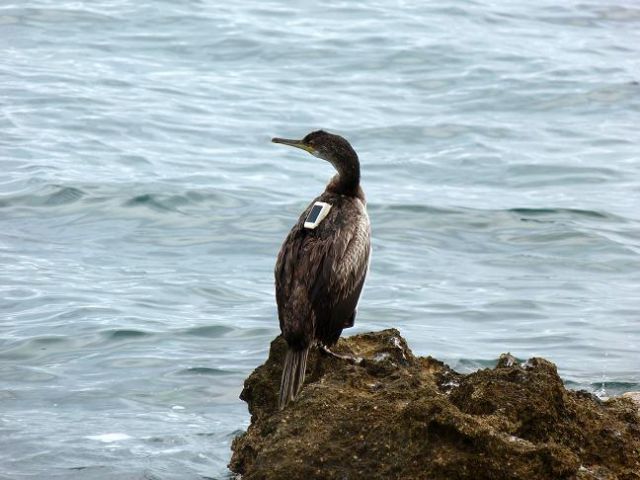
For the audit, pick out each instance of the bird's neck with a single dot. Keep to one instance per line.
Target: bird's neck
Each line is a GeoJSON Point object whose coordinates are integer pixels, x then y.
{"type": "Point", "coordinates": [347, 181]}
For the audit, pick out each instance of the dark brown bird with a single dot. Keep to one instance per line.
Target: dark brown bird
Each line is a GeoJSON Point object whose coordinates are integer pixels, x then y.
{"type": "Point", "coordinates": [323, 262]}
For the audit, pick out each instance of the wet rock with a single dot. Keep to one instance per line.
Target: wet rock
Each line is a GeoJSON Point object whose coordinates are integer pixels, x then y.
{"type": "Point", "coordinates": [634, 396]}
{"type": "Point", "coordinates": [397, 416]}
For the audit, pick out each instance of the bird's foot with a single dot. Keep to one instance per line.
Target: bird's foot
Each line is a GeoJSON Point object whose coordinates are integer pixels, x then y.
{"type": "Point", "coordinates": [347, 358]}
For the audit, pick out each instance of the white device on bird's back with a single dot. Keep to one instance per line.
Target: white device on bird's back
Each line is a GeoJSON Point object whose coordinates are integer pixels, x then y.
{"type": "Point", "coordinates": [318, 212]}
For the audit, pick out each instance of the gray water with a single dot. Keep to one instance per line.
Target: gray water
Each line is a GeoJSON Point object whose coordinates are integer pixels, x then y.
{"type": "Point", "coordinates": [142, 204]}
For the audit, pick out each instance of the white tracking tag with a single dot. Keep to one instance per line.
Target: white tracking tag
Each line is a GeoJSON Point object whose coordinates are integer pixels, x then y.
{"type": "Point", "coordinates": [318, 212]}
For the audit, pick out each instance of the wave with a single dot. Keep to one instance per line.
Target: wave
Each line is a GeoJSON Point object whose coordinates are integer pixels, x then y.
{"type": "Point", "coordinates": [125, 334]}
{"type": "Point", "coordinates": [523, 212]}
{"type": "Point", "coordinates": [211, 331]}
{"type": "Point", "coordinates": [53, 196]}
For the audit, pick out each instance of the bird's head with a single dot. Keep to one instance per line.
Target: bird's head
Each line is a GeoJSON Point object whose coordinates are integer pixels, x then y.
{"type": "Point", "coordinates": [332, 148]}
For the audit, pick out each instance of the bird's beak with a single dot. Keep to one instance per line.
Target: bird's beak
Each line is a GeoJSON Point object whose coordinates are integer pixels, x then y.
{"type": "Point", "coordinates": [294, 143]}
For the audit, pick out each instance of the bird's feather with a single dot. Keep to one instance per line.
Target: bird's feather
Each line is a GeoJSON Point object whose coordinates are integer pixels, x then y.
{"type": "Point", "coordinates": [320, 273]}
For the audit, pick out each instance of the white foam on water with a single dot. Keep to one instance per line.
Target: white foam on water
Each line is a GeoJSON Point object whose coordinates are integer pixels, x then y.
{"type": "Point", "coordinates": [109, 437]}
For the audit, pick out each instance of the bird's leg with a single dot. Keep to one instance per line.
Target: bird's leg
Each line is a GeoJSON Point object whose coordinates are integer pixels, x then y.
{"type": "Point", "coordinates": [347, 358]}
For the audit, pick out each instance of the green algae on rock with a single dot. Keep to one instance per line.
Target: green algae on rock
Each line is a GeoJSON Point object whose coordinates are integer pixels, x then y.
{"type": "Point", "coordinates": [397, 416]}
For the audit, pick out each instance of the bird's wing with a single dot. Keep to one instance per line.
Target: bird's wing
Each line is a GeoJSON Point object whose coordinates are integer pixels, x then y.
{"type": "Point", "coordinates": [292, 272]}
{"type": "Point", "coordinates": [320, 274]}
{"type": "Point", "coordinates": [338, 283]}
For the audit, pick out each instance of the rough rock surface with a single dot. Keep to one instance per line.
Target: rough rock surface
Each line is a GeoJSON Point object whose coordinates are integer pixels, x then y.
{"type": "Point", "coordinates": [397, 416]}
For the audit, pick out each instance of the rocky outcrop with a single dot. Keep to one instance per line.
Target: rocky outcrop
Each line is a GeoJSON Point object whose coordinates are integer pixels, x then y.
{"type": "Point", "coordinates": [397, 416]}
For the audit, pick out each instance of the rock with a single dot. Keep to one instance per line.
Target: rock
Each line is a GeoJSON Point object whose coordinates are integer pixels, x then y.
{"type": "Point", "coordinates": [397, 416]}
{"type": "Point", "coordinates": [634, 396]}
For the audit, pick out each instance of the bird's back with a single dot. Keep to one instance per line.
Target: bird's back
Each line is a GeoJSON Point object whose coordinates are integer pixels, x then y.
{"type": "Point", "coordinates": [320, 272]}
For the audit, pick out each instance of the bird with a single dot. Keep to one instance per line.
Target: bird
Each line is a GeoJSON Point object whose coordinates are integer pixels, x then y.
{"type": "Point", "coordinates": [323, 262]}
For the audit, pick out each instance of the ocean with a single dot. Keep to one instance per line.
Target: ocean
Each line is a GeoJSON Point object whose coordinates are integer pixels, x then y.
{"type": "Point", "coordinates": [142, 204]}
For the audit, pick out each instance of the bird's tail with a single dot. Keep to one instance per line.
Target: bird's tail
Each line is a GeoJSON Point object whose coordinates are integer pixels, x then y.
{"type": "Point", "coordinates": [295, 364]}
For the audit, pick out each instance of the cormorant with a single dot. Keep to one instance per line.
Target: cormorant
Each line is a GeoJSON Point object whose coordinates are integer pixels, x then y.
{"type": "Point", "coordinates": [323, 262]}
